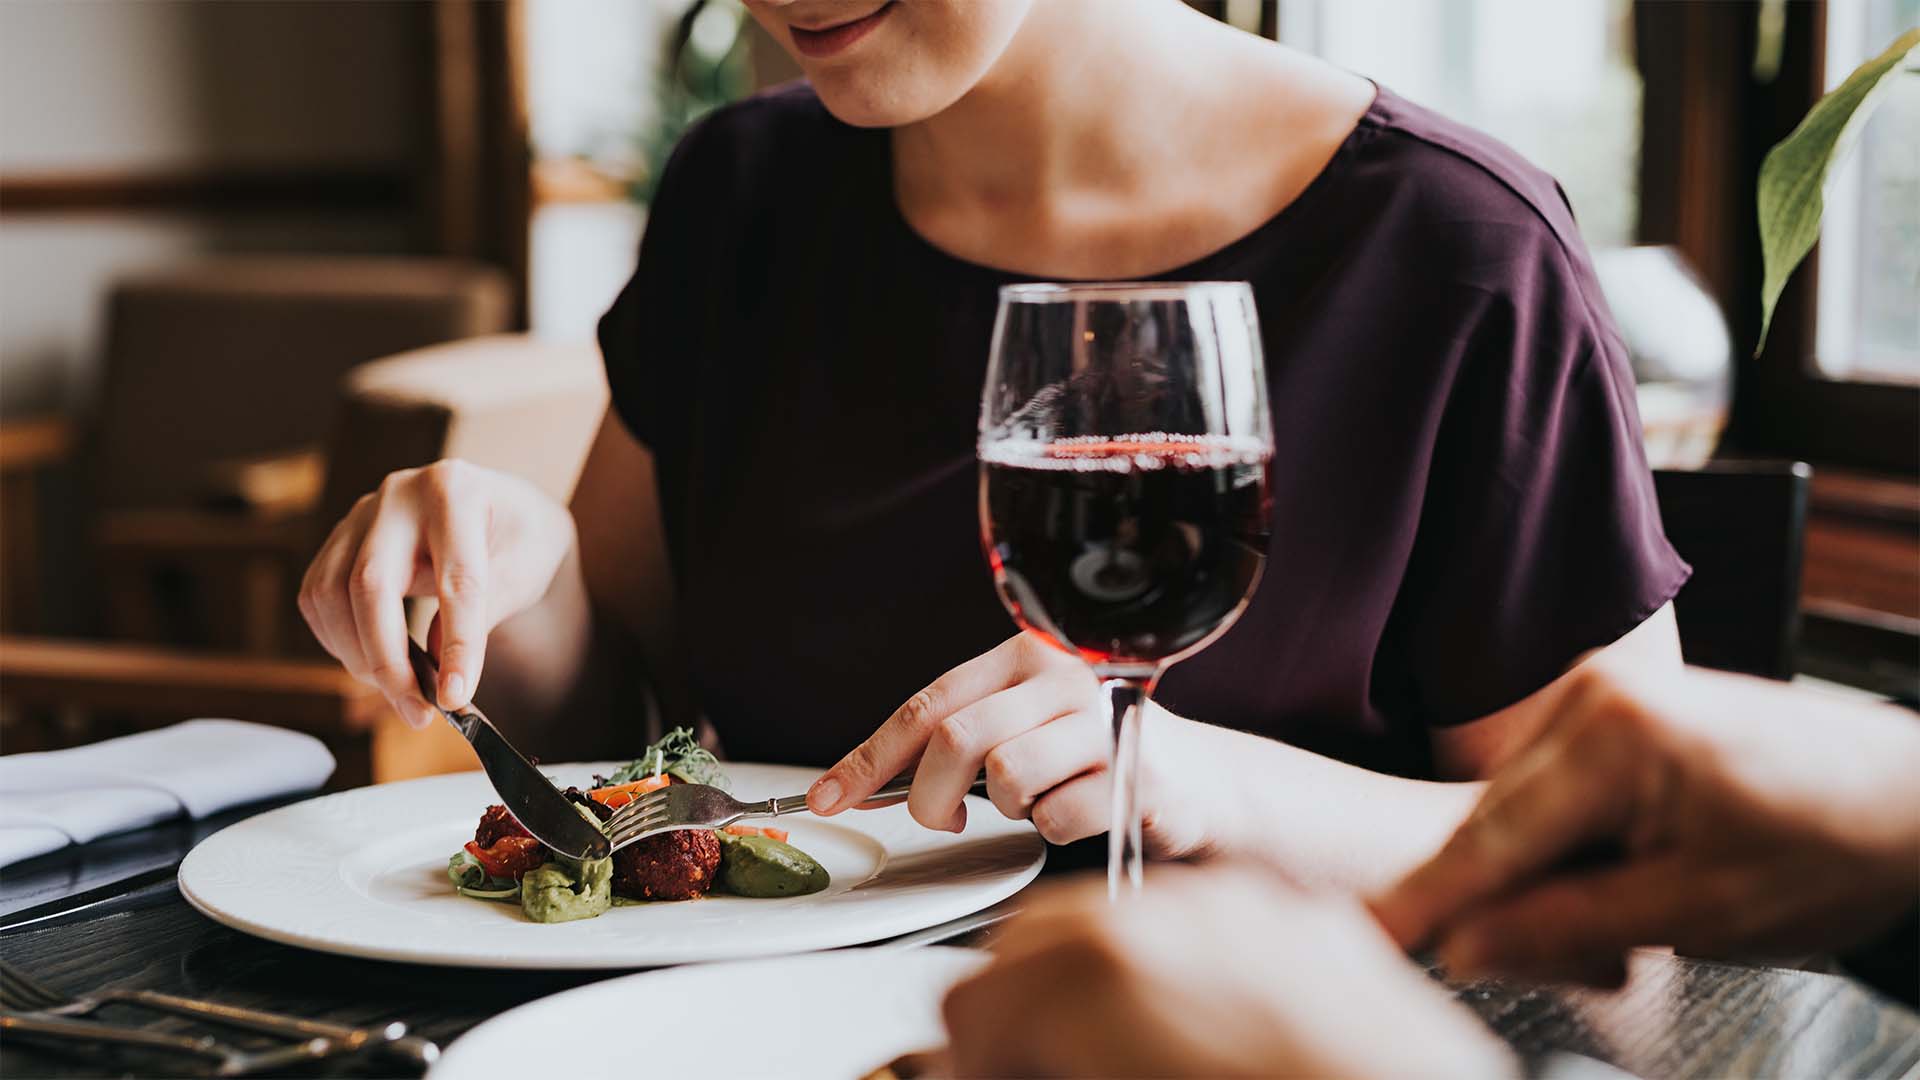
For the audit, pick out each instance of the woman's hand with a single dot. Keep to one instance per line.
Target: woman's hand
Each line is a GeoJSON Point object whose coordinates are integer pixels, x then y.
{"type": "Point", "coordinates": [1036, 719]}
{"type": "Point", "coordinates": [1208, 973]}
{"type": "Point", "coordinates": [486, 543]}
{"type": "Point", "coordinates": [1745, 816]}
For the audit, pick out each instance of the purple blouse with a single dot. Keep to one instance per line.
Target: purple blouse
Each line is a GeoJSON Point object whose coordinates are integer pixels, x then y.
{"type": "Point", "coordinates": [1461, 505]}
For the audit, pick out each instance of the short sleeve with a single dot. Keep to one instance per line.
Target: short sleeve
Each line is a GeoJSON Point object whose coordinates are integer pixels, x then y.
{"type": "Point", "coordinates": [648, 338]}
{"type": "Point", "coordinates": [1539, 535]}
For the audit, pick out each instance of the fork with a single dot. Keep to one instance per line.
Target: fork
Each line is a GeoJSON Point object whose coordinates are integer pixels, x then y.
{"type": "Point", "coordinates": [22, 993]}
{"type": "Point", "coordinates": [229, 1060]}
{"type": "Point", "coordinates": [698, 806]}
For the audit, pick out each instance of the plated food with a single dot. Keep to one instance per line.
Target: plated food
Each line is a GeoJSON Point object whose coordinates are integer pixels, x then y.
{"type": "Point", "coordinates": [503, 862]}
{"type": "Point", "coordinates": [364, 873]}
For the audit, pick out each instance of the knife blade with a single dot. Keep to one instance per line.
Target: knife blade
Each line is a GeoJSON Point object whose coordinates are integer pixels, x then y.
{"type": "Point", "coordinates": [529, 796]}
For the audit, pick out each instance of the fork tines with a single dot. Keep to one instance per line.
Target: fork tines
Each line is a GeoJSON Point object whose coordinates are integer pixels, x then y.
{"type": "Point", "coordinates": [638, 816]}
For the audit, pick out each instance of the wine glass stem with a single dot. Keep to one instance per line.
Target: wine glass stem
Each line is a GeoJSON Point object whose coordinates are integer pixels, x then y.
{"type": "Point", "coordinates": [1125, 858]}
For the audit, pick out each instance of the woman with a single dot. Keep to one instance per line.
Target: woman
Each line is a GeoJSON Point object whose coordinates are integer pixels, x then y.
{"type": "Point", "coordinates": [779, 513]}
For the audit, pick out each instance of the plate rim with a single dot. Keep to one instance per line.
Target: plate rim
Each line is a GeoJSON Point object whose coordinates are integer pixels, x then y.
{"type": "Point", "coordinates": [867, 932]}
{"type": "Point", "coordinates": [441, 1070]}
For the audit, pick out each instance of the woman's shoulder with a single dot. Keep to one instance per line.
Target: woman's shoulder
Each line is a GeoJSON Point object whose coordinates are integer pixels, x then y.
{"type": "Point", "coordinates": [1473, 208]}
{"type": "Point", "coordinates": [1461, 173]}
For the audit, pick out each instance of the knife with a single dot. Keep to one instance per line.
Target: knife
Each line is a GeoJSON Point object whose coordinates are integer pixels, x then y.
{"type": "Point", "coordinates": [530, 797]}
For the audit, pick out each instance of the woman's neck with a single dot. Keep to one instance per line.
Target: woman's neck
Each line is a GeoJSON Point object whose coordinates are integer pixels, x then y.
{"type": "Point", "coordinates": [1057, 113]}
{"type": "Point", "coordinates": [1121, 138]}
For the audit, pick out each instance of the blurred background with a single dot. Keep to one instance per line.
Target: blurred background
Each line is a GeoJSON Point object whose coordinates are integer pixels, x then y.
{"type": "Point", "coordinates": [254, 255]}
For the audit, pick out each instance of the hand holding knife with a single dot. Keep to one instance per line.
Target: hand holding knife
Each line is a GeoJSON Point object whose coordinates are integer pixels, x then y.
{"type": "Point", "coordinates": [528, 795]}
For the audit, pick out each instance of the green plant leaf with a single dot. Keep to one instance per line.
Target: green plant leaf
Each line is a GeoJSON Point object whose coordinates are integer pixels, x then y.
{"type": "Point", "coordinates": [1794, 173]}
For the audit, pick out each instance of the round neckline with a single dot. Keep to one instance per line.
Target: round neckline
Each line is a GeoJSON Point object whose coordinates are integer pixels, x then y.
{"type": "Point", "coordinates": [1206, 266]}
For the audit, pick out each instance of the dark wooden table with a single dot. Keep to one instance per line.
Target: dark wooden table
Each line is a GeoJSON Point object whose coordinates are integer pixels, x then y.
{"type": "Point", "coordinates": [1676, 1018]}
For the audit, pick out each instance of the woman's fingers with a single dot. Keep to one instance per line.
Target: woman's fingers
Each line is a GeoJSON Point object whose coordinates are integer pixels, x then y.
{"type": "Point", "coordinates": [961, 743]}
{"type": "Point", "coordinates": [456, 535]}
{"type": "Point", "coordinates": [483, 543]}
{"type": "Point", "coordinates": [1076, 809]}
{"type": "Point", "coordinates": [323, 594]}
{"type": "Point", "coordinates": [899, 742]}
{"type": "Point", "coordinates": [376, 588]}
{"type": "Point", "coordinates": [1022, 769]}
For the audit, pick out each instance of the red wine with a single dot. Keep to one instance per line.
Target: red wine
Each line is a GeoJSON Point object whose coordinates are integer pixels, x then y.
{"type": "Point", "coordinates": [1131, 550]}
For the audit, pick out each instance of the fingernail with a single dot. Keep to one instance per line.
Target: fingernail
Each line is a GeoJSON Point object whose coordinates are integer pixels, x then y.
{"type": "Point", "coordinates": [824, 796]}
{"type": "Point", "coordinates": [454, 693]}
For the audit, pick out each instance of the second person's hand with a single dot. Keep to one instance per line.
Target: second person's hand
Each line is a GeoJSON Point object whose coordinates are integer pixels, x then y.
{"type": "Point", "coordinates": [487, 544]}
{"type": "Point", "coordinates": [1745, 817]}
{"type": "Point", "coordinates": [1219, 972]}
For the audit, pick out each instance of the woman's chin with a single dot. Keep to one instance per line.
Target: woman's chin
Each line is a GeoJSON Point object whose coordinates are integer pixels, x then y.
{"type": "Point", "coordinates": [861, 100]}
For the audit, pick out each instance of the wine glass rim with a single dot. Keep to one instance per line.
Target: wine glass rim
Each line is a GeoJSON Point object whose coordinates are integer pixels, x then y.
{"type": "Point", "coordinates": [1051, 292]}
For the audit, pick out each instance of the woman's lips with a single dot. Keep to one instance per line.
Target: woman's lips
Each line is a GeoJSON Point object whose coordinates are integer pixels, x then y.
{"type": "Point", "coordinates": [830, 40]}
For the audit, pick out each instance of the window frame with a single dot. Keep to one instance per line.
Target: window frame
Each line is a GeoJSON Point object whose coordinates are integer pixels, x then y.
{"type": "Point", "coordinates": [1707, 123]}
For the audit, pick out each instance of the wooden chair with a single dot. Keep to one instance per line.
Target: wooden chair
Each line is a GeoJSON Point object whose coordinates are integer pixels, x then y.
{"type": "Point", "coordinates": [506, 401]}
{"type": "Point", "coordinates": [1743, 527]}
{"type": "Point", "coordinates": [204, 452]}
{"type": "Point", "coordinates": [27, 449]}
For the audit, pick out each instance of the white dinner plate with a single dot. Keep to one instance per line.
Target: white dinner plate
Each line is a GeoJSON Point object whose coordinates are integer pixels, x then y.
{"type": "Point", "coordinates": [837, 1016]}
{"type": "Point", "coordinates": [363, 873]}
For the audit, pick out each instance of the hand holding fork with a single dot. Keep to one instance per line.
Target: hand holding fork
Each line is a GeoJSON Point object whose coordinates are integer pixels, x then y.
{"type": "Point", "coordinates": [698, 806]}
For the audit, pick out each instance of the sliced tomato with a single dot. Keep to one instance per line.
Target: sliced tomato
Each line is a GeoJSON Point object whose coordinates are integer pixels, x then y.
{"type": "Point", "coordinates": [509, 857]}
{"type": "Point", "coordinates": [752, 830]}
{"type": "Point", "coordinates": [620, 795]}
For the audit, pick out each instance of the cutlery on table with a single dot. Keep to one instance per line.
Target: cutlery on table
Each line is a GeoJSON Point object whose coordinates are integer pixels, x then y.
{"type": "Point", "coordinates": [529, 796]}
{"type": "Point", "coordinates": [698, 806]}
{"type": "Point", "coordinates": [228, 1060]}
{"type": "Point", "coordinates": [20, 992]}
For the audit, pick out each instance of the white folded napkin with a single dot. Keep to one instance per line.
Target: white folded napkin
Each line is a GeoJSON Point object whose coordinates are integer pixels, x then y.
{"type": "Point", "coordinates": [200, 767]}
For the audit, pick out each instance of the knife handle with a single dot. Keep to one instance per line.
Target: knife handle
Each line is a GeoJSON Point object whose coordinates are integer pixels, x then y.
{"type": "Point", "coordinates": [426, 675]}
{"type": "Point", "coordinates": [426, 672]}
{"type": "Point", "coordinates": [391, 1039]}
{"type": "Point", "coordinates": [92, 1031]}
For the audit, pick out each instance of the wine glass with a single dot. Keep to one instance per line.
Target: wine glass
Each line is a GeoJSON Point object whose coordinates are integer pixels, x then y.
{"type": "Point", "coordinates": [1124, 442]}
